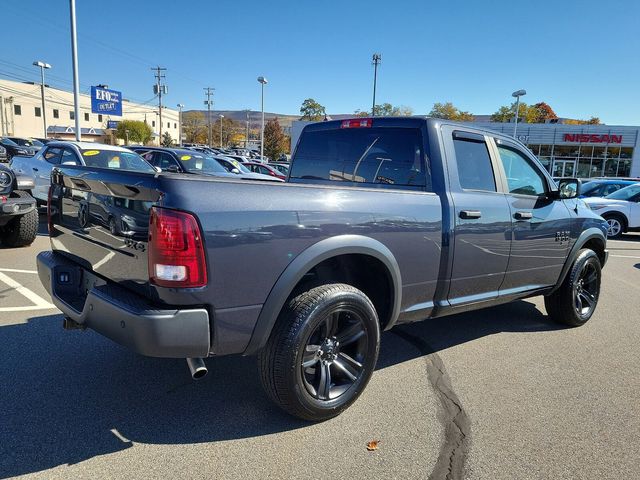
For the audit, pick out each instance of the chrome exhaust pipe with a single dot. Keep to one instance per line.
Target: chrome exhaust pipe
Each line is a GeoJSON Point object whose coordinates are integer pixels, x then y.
{"type": "Point", "coordinates": [197, 368]}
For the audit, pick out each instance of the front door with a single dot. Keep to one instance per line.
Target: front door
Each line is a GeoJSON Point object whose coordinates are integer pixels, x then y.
{"type": "Point", "coordinates": [482, 219]}
{"type": "Point", "coordinates": [564, 168]}
{"type": "Point", "coordinates": [541, 225]}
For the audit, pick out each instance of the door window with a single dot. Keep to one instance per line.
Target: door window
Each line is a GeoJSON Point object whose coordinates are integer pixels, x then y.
{"type": "Point", "coordinates": [474, 163]}
{"type": "Point", "coordinates": [522, 176]}
{"type": "Point", "coordinates": [164, 161]}
{"type": "Point", "coordinates": [608, 189]}
{"type": "Point", "coordinates": [69, 158]}
{"type": "Point", "coordinates": [52, 155]}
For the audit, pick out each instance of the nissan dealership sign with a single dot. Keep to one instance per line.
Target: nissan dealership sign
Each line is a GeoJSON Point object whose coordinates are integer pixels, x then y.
{"type": "Point", "coordinates": [591, 138]}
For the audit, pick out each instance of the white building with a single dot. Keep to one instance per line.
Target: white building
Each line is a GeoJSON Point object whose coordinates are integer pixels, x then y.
{"type": "Point", "coordinates": [21, 115]}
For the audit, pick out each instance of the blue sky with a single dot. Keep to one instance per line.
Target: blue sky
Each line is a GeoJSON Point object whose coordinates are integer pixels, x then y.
{"type": "Point", "coordinates": [581, 57]}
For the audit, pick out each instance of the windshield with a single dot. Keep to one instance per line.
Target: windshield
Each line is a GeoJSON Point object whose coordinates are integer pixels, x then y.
{"type": "Point", "coordinates": [198, 163]}
{"type": "Point", "coordinates": [625, 193]}
{"type": "Point", "coordinates": [24, 142]}
{"type": "Point", "coordinates": [589, 187]}
{"type": "Point", "coordinates": [117, 159]}
{"type": "Point", "coordinates": [237, 164]}
{"type": "Point", "coordinates": [6, 141]}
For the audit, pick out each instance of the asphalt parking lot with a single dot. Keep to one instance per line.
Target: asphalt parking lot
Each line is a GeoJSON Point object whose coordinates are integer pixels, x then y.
{"type": "Point", "coordinates": [496, 394]}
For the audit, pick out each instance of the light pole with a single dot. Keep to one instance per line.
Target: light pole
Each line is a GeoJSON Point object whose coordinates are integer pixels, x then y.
{"type": "Point", "coordinates": [263, 82]}
{"type": "Point", "coordinates": [517, 94]}
{"type": "Point", "coordinates": [221, 117]}
{"type": "Point", "coordinates": [377, 58]}
{"type": "Point", "coordinates": [74, 62]}
{"type": "Point", "coordinates": [42, 66]}
{"type": "Point", "coordinates": [180, 107]}
{"type": "Point", "coordinates": [246, 141]}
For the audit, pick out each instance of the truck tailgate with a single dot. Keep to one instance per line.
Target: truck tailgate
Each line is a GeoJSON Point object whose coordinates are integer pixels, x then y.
{"type": "Point", "coordinates": [100, 219]}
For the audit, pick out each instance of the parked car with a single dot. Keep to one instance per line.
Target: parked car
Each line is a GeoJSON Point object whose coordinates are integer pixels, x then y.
{"type": "Point", "coordinates": [604, 187]}
{"type": "Point", "coordinates": [282, 167]}
{"type": "Point", "coordinates": [44, 141]}
{"type": "Point", "coordinates": [18, 212]}
{"type": "Point", "coordinates": [3, 155]}
{"type": "Point", "coordinates": [383, 221]}
{"type": "Point", "coordinates": [264, 169]}
{"type": "Point", "coordinates": [39, 166]}
{"type": "Point", "coordinates": [177, 160]}
{"type": "Point", "coordinates": [13, 148]}
{"type": "Point", "coordinates": [621, 210]}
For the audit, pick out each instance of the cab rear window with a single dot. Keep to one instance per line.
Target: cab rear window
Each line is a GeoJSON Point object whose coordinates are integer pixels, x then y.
{"type": "Point", "coordinates": [385, 156]}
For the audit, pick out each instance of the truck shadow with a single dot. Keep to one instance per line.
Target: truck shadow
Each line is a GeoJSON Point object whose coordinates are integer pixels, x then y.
{"type": "Point", "coordinates": [70, 396]}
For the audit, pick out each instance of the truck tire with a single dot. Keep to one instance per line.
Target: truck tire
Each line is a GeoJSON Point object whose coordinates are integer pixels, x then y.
{"type": "Point", "coordinates": [575, 301]}
{"type": "Point", "coordinates": [22, 231]}
{"type": "Point", "coordinates": [616, 225]}
{"type": "Point", "coordinates": [322, 352]}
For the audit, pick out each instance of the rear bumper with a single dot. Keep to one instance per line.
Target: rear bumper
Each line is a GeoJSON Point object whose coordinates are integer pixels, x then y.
{"type": "Point", "coordinates": [122, 316]}
{"type": "Point", "coordinates": [17, 206]}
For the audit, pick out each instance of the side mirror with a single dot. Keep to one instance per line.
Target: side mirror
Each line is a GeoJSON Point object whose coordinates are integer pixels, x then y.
{"type": "Point", "coordinates": [569, 188]}
{"type": "Point", "coordinates": [235, 170]}
{"type": "Point", "coordinates": [172, 169]}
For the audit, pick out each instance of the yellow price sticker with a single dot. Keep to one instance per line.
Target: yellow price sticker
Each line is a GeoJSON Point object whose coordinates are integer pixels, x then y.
{"type": "Point", "coordinates": [185, 157]}
{"type": "Point", "coordinates": [91, 153]}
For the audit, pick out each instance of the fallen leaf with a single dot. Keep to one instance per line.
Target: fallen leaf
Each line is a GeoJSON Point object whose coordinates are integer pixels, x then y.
{"type": "Point", "coordinates": [372, 445]}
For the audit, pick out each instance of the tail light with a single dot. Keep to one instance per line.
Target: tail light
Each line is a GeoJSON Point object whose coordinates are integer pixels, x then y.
{"type": "Point", "coordinates": [49, 217]}
{"type": "Point", "coordinates": [176, 250]}
{"type": "Point", "coordinates": [357, 123]}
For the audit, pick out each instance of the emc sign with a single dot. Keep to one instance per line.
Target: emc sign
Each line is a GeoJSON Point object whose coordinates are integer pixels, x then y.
{"type": "Point", "coordinates": [105, 101]}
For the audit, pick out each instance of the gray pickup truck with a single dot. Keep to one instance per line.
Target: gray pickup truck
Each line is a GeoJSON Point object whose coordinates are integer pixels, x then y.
{"type": "Point", "coordinates": [382, 221]}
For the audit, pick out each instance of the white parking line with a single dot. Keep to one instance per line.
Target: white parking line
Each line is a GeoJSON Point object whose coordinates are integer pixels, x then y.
{"type": "Point", "coordinates": [14, 270]}
{"type": "Point", "coordinates": [39, 303]}
{"type": "Point", "coordinates": [623, 256]}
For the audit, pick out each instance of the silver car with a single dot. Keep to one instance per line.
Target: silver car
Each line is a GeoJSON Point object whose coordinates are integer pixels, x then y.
{"type": "Point", "coordinates": [90, 154]}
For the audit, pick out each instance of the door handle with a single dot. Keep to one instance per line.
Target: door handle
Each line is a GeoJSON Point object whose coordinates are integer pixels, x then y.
{"type": "Point", "coordinates": [34, 169]}
{"type": "Point", "coordinates": [467, 214]}
{"type": "Point", "coordinates": [523, 215]}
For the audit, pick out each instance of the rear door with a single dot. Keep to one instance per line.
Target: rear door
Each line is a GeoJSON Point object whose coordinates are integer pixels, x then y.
{"type": "Point", "coordinates": [541, 225]}
{"type": "Point", "coordinates": [482, 219]}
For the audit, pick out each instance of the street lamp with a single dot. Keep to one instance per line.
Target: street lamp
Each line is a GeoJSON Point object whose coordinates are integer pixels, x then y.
{"type": "Point", "coordinates": [42, 66]}
{"type": "Point", "coordinates": [517, 94]}
{"type": "Point", "coordinates": [180, 107]}
{"type": "Point", "coordinates": [221, 117]}
{"type": "Point", "coordinates": [263, 82]}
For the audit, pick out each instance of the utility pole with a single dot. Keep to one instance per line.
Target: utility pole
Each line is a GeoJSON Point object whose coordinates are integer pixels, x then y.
{"type": "Point", "coordinates": [74, 62]}
{"type": "Point", "coordinates": [159, 89]}
{"type": "Point", "coordinates": [42, 66]}
{"type": "Point", "coordinates": [208, 102]}
{"type": "Point", "coordinates": [246, 142]}
{"type": "Point", "coordinates": [180, 107]}
{"type": "Point", "coordinates": [375, 61]}
{"type": "Point", "coordinates": [221, 117]}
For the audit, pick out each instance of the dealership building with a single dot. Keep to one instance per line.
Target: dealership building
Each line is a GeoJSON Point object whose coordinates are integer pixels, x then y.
{"type": "Point", "coordinates": [21, 115]}
{"type": "Point", "coordinates": [583, 151]}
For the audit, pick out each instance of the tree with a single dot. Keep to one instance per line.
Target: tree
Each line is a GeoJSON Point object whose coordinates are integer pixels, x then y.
{"type": "Point", "coordinates": [545, 112]}
{"type": "Point", "coordinates": [386, 110]}
{"type": "Point", "coordinates": [591, 121]}
{"type": "Point", "coordinates": [167, 141]}
{"type": "Point", "coordinates": [134, 131]}
{"type": "Point", "coordinates": [449, 111]}
{"type": "Point", "coordinates": [274, 139]}
{"type": "Point", "coordinates": [194, 127]}
{"type": "Point", "coordinates": [312, 110]}
{"type": "Point", "coordinates": [229, 129]}
{"type": "Point", "coordinates": [526, 113]}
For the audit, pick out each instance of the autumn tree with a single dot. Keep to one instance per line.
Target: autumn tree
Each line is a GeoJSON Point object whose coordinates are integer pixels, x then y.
{"type": "Point", "coordinates": [449, 111]}
{"type": "Point", "coordinates": [274, 139]}
{"type": "Point", "coordinates": [194, 127]}
{"type": "Point", "coordinates": [591, 121]}
{"type": "Point", "coordinates": [545, 112]}
{"type": "Point", "coordinates": [311, 110]}
{"type": "Point", "coordinates": [229, 129]}
{"type": "Point", "coordinates": [134, 131]}
{"type": "Point", "coordinates": [526, 113]}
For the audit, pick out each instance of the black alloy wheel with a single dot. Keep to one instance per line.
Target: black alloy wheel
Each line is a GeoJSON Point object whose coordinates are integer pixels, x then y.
{"type": "Point", "coordinates": [335, 354]}
{"type": "Point", "coordinates": [322, 352]}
